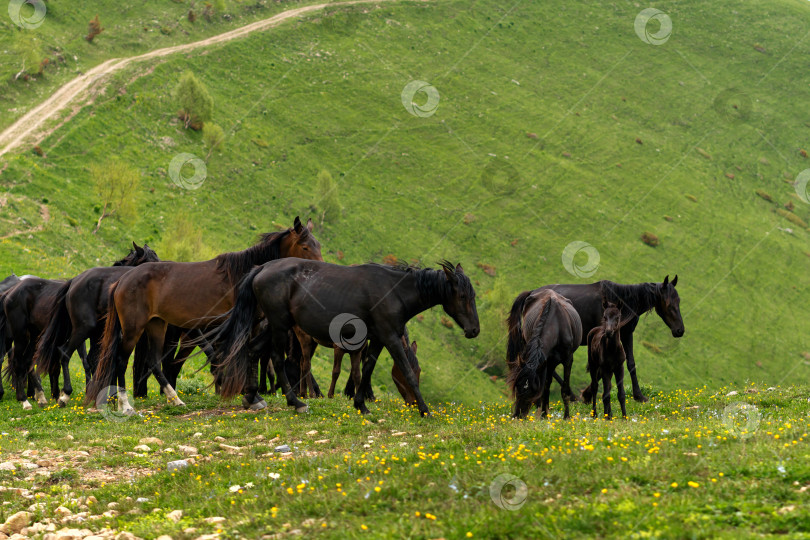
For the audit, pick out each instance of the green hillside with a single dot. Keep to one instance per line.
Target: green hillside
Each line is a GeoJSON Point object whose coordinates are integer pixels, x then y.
{"type": "Point", "coordinates": [555, 124]}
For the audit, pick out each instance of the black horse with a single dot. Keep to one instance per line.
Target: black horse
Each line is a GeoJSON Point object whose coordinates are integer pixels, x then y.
{"type": "Point", "coordinates": [606, 359]}
{"type": "Point", "coordinates": [77, 315]}
{"type": "Point", "coordinates": [544, 332]}
{"type": "Point", "coordinates": [633, 301]}
{"type": "Point", "coordinates": [5, 340]}
{"type": "Point", "coordinates": [328, 301]}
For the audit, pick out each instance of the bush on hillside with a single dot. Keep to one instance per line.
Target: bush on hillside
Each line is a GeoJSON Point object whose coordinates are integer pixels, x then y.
{"type": "Point", "coordinates": [93, 29]}
{"type": "Point", "coordinates": [328, 203]}
{"type": "Point", "coordinates": [182, 241]}
{"type": "Point", "coordinates": [213, 137]}
{"type": "Point", "coordinates": [196, 104]}
{"type": "Point", "coordinates": [117, 186]}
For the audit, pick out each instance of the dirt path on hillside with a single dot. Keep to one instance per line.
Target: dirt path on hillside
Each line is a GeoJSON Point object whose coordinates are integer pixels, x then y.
{"type": "Point", "coordinates": [30, 126]}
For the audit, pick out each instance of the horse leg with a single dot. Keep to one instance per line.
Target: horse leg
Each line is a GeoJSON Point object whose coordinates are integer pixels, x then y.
{"type": "Point", "coordinates": [263, 374]}
{"type": "Point", "coordinates": [374, 350]}
{"type": "Point", "coordinates": [394, 347]}
{"type": "Point", "coordinates": [156, 332]}
{"type": "Point", "coordinates": [619, 374]}
{"type": "Point", "coordinates": [594, 384]}
{"type": "Point", "coordinates": [627, 342]}
{"type": "Point", "coordinates": [606, 393]}
{"type": "Point", "coordinates": [53, 377]}
{"type": "Point", "coordinates": [277, 352]}
{"type": "Point", "coordinates": [547, 390]}
{"type": "Point", "coordinates": [356, 372]}
{"type": "Point", "coordinates": [338, 360]}
{"type": "Point", "coordinates": [566, 388]}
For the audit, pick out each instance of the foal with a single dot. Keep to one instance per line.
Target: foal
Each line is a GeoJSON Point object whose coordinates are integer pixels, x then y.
{"type": "Point", "coordinates": [606, 358]}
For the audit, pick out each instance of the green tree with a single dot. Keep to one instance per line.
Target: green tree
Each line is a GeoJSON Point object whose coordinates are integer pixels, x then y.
{"type": "Point", "coordinates": [329, 203]}
{"type": "Point", "coordinates": [213, 137]}
{"type": "Point", "coordinates": [29, 50]}
{"type": "Point", "coordinates": [196, 104]}
{"type": "Point", "coordinates": [220, 6]}
{"type": "Point", "coordinates": [182, 241]}
{"type": "Point", "coordinates": [117, 185]}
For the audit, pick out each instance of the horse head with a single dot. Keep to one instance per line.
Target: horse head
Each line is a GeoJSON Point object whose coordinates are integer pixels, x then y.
{"type": "Point", "coordinates": [460, 302]}
{"type": "Point", "coordinates": [301, 243]}
{"type": "Point", "coordinates": [668, 306]}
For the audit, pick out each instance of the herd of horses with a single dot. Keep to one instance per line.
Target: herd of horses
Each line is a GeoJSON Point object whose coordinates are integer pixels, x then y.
{"type": "Point", "coordinates": [261, 312]}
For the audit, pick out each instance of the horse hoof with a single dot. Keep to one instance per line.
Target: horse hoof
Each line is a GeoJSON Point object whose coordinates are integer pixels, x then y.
{"type": "Point", "coordinates": [129, 412]}
{"type": "Point", "coordinates": [63, 400]}
{"type": "Point", "coordinates": [258, 406]}
{"type": "Point", "coordinates": [26, 406]}
{"type": "Point", "coordinates": [641, 398]}
{"type": "Point", "coordinates": [178, 402]}
{"type": "Point", "coordinates": [303, 409]}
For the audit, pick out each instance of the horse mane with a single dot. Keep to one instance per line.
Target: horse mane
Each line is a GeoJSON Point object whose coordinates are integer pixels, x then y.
{"type": "Point", "coordinates": [521, 367]}
{"type": "Point", "coordinates": [238, 263]}
{"type": "Point", "coordinates": [637, 298]}
{"type": "Point", "coordinates": [431, 282]}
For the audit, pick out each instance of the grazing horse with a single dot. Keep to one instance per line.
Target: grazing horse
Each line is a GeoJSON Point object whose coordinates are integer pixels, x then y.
{"type": "Point", "coordinates": [633, 301]}
{"type": "Point", "coordinates": [188, 295]}
{"type": "Point", "coordinates": [325, 300]}
{"type": "Point", "coordinates": [544, 331]}
{"type": "Point", "coordinates": [77, 315]}
{"type": "Point", "coordinates": [606, 359]}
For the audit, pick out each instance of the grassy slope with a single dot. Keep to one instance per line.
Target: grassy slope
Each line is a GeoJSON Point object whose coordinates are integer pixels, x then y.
{"type": "Point", "coordinates": [683, 466]}
{"type": "Point", "coordinates": [325, 94]}
{"type": "Point", "coordinates": [130, 28]}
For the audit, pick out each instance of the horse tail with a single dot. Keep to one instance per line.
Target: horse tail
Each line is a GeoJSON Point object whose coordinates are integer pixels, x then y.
{"type": "Point", "coordinates": [111, 342]}
{"type": "Point", "coordinates": [231, 354]}
{"type": "Point", "coordinates": [525, 380]}
{"type": "Point", "coordinates": [56, 334]}
{"type": "Point", "coordinates": [515, 343]}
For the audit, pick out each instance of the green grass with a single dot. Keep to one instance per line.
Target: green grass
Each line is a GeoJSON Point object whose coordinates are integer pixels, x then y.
{"type": "Point", "coordinates": [682, 466]}
{"type": "Point", "coordinates": [324, 94]}
{"type": "Point", "coordinates": [129, 29]}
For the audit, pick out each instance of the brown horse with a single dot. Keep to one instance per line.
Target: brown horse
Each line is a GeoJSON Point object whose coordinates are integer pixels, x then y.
{"type": "Point", "coordinates": [606, 358]}
{"type": "Point", "coordinates": [187, 295]}
{"type": "Point", "coordinates": [544, 331]}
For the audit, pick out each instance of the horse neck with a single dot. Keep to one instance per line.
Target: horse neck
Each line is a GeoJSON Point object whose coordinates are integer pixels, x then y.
{"type": "Point", "coordinates": [429, 289]}
{"type": "Point", "coordinates": [638, 298]}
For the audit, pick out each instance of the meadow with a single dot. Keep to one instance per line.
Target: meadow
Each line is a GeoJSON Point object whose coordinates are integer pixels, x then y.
{"type": "Point", "coordinates": [555, 123]}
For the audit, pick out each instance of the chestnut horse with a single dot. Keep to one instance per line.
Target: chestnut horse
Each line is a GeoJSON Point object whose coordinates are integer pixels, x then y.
{"type": "Point", "coordinates": [186, 295]}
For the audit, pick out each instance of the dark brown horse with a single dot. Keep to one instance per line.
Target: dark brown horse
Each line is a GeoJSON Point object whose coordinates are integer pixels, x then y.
{"type": "Point", "coordinates": [633, 301]}
{"type": "Point", "coordinates": [544, 331]}
{"type": "Point", "coordinates": [77, 314]}
{"type": "Point", "coordinates": [606, 359]}
{"type": "Point", "coordinates": [341, 304]}
{"type": "Point", "coordinates": [187, 295]}
{"type": "Point", "coordinates": [5, 337]}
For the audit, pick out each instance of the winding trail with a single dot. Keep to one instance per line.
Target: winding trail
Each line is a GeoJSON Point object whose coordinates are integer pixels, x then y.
{"type": "Point", "coordinates": [77, 89]}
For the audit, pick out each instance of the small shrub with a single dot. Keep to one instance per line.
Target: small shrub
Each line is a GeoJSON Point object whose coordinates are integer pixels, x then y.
{"type": "Point", "coordinates": [446, 322]}
{"type": "Point", "coordinates": [38, 151]}
{"type": "Point", "coordinates": [468, 218]}
{"type": "Point", "coordinates": [652, 347]}
{"type": "Point", "coordinates": [196, 104]}
{"type": "Point", "coordinates": [764, 195]}
{"type": "Point", "coordinates": [213, 137]}
{"type": "Point", "coordinates": [703, 153]}
{"type": "Point", "coordinates": [669, 218]}
{"type": "Point", "coordinates": [790, 206]}
{"type": "Point", "coordinates": [93, 29]}
{"type": "Point", "coordinates": [650, 239]}
{"type": "Point", "coordinates": [487, 268]}
{"type": "Point", "coordinates": [329, 201]}
{"type": "Point", "coordinates": [390, 259]}
{"type": "Point", "coordinates": [793, 218]}
{"type": "Point", "coordinates": [191, 16]}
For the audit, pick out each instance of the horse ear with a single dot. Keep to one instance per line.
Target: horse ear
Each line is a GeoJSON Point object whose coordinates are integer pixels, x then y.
{"type": "Point", "coordinates": [448, 271]}
{"type": "Point", "coordinates": [459, 269]}
{"type": "Point", "coordinates": [297, 225]}
{"type": "Point", "coordinates": [675, 281]}
{"type": "Point", "coordinates": [666, 280]}
{"type": "Point", "coordinates": [310, 225]}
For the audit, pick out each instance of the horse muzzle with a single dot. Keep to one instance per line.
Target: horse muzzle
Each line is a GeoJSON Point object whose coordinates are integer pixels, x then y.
{"type": "Point", "coordinates": [678, 332]}
{"type": "Point", "coordinates": [471, 333]}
